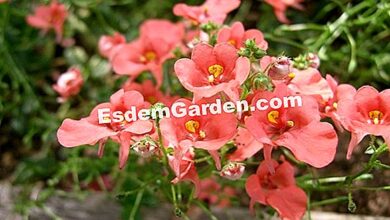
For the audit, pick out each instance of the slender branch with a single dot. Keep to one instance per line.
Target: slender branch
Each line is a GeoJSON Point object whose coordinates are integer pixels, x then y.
{"type": "Point", "coordinates": [137, 203]}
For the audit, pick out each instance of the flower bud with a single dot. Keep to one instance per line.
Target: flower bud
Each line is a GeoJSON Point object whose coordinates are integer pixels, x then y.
{"type": "Point", "coordinates": [250, 43]}
{"type": "Point", "coordinates": [157, 107]}
{"type": "Point", "coordinates": [244, 52]}
{"type": "Point", "coordinates": [262, 82]}
{"type": "Point", "coordinates": [209, 27]}
{"type": "Point", "coordinates": [145, 147]}
{"type": "Point", "coordinates": [280, 69]}
{"type": "Point", "coordinates": [233, 171]}
{"type": "Point", "coordinates": [251, 50]}
{"type": "Point", "coordinates": [314, 60]}
{"type": "Point", "coordinates": [258, 53]}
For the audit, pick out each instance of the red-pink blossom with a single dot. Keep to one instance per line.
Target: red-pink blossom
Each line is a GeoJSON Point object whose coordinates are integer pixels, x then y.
{"type": "Point", "coordinates": [68, 84]}
{"type": "Point", "coordinates": [107, 44]}
{"type": "Point", "coordinates": [150, 92]}
{"type": "Point", "coordinates": [171, 33]}
{"type": "Point", "coordinates": [236, 36]}
{"type": "Point", "coordinates": [155, 45]}
{"type": "Point", "coordinates": [277, 189]}
{"type": "Point", "coordinates": [297, 128]}
{"type": "Point", "coordinates": [211, 10]}
{"type": "Point", "coordinates": [280, 7]}
{"type": "Point", "coordinates": [183, 165]}
{"type": "Point", "coordinates": [246, 144]}
{"type": "Point", "coordinates": [367, 112]}
{"type": "Point", "coordinates": [215, 194]}
{"type": "Point", "coordinates": [48, 17]}
{"type": "Point", "coordinates": [310, 82]}
{"type": "Point", "coordinates": [328, 107]}
{"type": "Point", "coordinates": [88, 131]}
{"type": "Point", "coordinates": [209, 132]}
{"type": "Point", "coordinates": [212, 70]}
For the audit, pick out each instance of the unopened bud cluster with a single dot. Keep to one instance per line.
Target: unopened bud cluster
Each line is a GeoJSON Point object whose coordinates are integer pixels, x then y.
{"type": "Point", "coordinates": [251, 50]}
{"type": "Point", "coordinates": [305, 61]}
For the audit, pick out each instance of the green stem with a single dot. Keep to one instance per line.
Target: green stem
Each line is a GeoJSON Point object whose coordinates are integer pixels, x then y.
{"type": "Point", "coordinates": [160, 143]}
{"type": "Point", "coordinates": [330, 201]}
{"type": "Point", "coordinates": [137, 203]}
{"type": "Point", "coordinates": [292, 158]}
{"type": "Point", "coordinates": [206, 210]}
{"type": "Point", "coordinates": [203, 159]}
{"type": "Point", "coordinates": [309, 205]}
{"type": "Point", "coordinates": [190, 198]}
{"type": "Point", "coordinates": [174, 200]}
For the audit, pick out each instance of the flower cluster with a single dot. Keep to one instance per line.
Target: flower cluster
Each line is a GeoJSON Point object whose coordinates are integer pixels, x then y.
{"type": "Point", "coordinates": [227, 62]}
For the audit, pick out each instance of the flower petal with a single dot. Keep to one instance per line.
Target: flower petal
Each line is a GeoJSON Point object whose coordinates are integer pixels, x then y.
{"type": "Point", "coordinates": [79, 132]}
{"type": "Point", "coordinates": [289, 202]}
{"type": "Point", "coordinates": [314, 144]}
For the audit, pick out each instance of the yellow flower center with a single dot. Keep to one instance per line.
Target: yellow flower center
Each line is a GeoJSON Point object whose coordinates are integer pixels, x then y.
{"type": "Point", "coordinates": [151, 99]}
{"type": "Point", "coordinates": [334, 105]}
{"type": "Point", "coordinates": [202, 134]}
{"type": "Point", "coordinates": [376, 116]}
{"type": "Point", "coordinates": [214, 71]}
{"type": "Point", "coordinates": [192, 126]}
{"type": "Point", "coordinates": [148, 56]}
{"type": "Point", "coordinates": [272, 116]}
{"type": "Point", "coordinates": [291, 75]}
{"type": "Point", "coordinates": [232, 42]}
{"type": "Point", "coordinates": [290, 124]}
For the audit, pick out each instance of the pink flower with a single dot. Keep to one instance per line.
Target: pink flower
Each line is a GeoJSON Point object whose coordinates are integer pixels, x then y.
{"type": "Point", "coordinates": [49, 17]}
{"type": "Point", "coordinates": [212, 10]}
{"type": "Point", "coordinates": [305, 82]}
{"type": "Point", "coordinates": [277, 189]}
{"type": "Point", "coordinates": [74, 133]}
{"type": "Point", "coordinates": [328, 107]}
{"type": "Point", "coordinates": [150, 92]}
{"type": "Point", "coordinates": [139, 56]}
{"type": "Point", "coordinates": [247, 145]}
{"type": "Point", "coordinates": [150, 50]}
{"type": "Point", "coordinates": [233, 171]}
{"type": "Point", "coordinates": [212, 70]}
{"type": "Point", "coordinates": [297, 128]}
{"type": "Point", "coordinates": [368, 112]}
{"type": "Point", "coordinates": [170, 33]}
{"type": "Point", "coordinates": [310, 82]}
{"type": "Point", "coordinates": [236, 36]}
{"type": "Point", "coordinates": [107, 44]}
{"type": "Point", "coordinates": [280, 7]}
{"type": "Point", "coordinates": [3, 1]}
{"type": "Point", "coordinates": [209, 132]}
{"type": "Point", "coordinates": [215, 194]}
{"type": "Point", "coordinates": [279, 68]}
{"type": "Point", "coordinates": [183, 166]}
{"type": "Point", "coordinates": [69, 84]}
